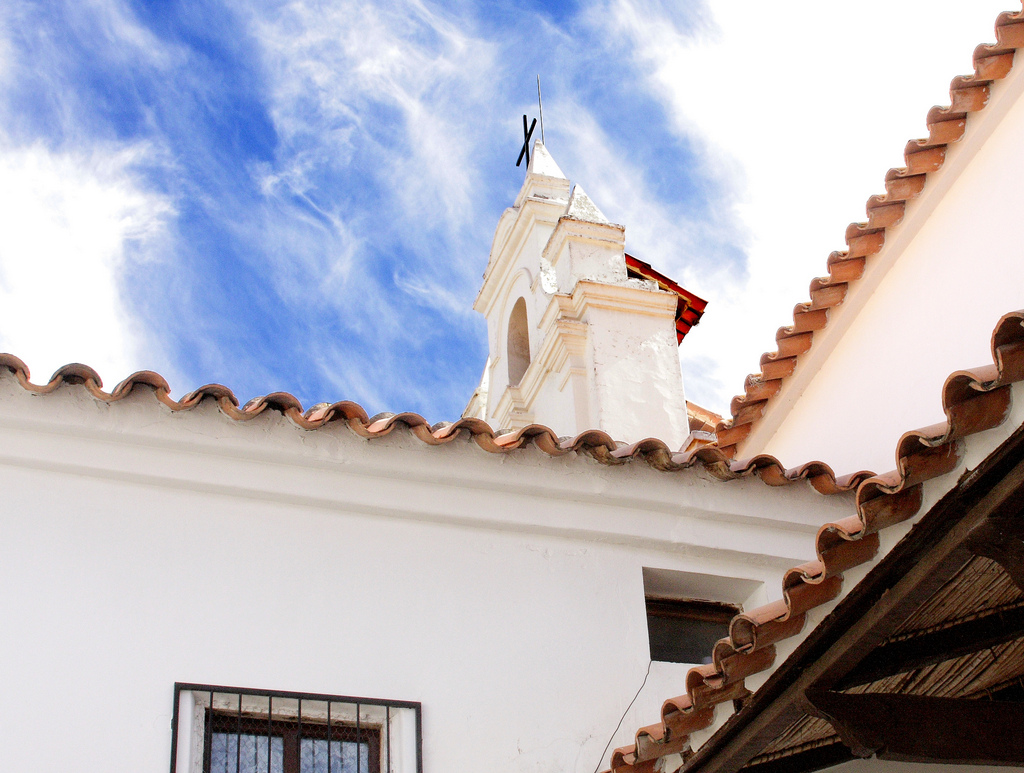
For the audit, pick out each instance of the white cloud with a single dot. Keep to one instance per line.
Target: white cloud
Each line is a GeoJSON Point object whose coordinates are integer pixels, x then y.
{"type": "Point", "coordinates": [75, 213]}
{"type": "Point", "coordinates": [333, 68]}
{"type": "Point", "coordinates": [71, 221]}
{"type": "Point", "coordinates": [306, 246]}
{"type": "Point", "coordinates": [804, 105]}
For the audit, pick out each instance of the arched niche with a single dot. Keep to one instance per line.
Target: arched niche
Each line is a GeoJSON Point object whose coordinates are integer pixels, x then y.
{"type": "Point", "coordinates": [518, 343]}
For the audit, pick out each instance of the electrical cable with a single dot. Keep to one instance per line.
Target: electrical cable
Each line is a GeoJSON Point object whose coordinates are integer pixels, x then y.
{"type": "Point", "coordinates": [624, 713]}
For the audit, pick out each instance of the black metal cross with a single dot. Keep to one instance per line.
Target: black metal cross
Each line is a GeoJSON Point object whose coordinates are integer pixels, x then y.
{"type": "Point", "coordinates": [527, 133]}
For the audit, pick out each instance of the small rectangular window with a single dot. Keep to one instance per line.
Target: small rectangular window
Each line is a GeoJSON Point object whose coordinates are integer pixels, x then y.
{"type": "Point", "coordinates": [234, 730]}
{"type": "Point", "coordinates": [685, 630]}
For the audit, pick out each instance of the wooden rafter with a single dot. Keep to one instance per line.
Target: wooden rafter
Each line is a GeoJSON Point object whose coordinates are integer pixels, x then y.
{"type": "Point", "coordinates": [938, 646]}
{"type": "Point", "coordinates": [918, 728]}
{"type": "Point", "coordinates": [1001, 538]}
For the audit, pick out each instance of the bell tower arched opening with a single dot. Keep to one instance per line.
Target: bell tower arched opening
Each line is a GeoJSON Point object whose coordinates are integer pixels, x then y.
{"type": "Point", "coordinates": [518, 343]}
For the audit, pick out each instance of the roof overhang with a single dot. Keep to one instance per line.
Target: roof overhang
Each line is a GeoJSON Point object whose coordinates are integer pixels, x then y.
{"type": "Point", "coordinates": [922, 661]}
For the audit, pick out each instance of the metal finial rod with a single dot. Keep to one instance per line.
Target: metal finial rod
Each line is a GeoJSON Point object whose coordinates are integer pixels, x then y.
{"type": "Point", "coordinates": [540, 105]}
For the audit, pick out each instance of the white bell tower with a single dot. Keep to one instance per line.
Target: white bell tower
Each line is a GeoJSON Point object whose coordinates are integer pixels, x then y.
{"type": "Point", "coordinates": [574, 342]}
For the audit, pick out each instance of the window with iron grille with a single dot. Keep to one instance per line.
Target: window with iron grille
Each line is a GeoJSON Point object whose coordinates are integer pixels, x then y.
{"type": "Point", "coordinates": [236, 730]}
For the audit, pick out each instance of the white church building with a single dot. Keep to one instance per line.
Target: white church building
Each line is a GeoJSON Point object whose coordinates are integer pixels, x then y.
{"type": "Point", "coordinates": [581, 572]}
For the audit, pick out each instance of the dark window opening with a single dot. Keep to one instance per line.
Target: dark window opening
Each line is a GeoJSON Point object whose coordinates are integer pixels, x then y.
{"type": "Point", "coordinates": [685, 630]}
{"type": "Point", "coordinates": [518, 343]}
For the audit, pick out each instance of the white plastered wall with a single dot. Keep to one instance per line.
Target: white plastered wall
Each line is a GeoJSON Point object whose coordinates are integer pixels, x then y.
{"type": "Point", "coordinates": [505, 592]}
{"type": "Point", "coordinates": [957, 265]}
{"type": "Point", "coordinates": [636, 374]}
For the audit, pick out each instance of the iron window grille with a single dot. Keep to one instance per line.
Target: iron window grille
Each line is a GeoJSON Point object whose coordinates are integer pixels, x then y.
{"type": "Point", "coordinates": [238, 730]}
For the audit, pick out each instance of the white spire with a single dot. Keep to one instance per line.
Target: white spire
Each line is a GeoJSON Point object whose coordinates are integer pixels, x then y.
{"type": "Point", "coordinates": [541, 163]}
{"type": "Point", "coordinates": [582, 207]}
{"type": "Point", "coordinates": [544, 180]}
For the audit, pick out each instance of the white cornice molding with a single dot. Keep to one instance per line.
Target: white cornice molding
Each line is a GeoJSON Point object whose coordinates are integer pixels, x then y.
{"type": "Point", "coordinates": [540, 187]}
{"type": "Point", "coordinates": [625, 298]}
{"type": "Point", "coordinates": [602, 234]}
{"type": "Point", "coordinates": [139, 442]}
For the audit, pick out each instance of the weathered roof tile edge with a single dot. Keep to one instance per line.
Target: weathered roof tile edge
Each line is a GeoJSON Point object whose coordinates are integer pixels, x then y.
{"type": "Point", "coordinates": [594, 443]}
{"type": "Point", "coordinates": [973, 401]}
{"type": "Point", "coordinates": [968, 94]}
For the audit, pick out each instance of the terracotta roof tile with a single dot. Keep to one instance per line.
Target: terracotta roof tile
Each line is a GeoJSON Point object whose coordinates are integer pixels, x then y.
{"type": "Point", "coordinates": [968, 94]}
{"type": "Point", "coordinates": [973, 401]}
{"type": "Point", "coordinates": [594, 443]}
{"type": "Point", "coordinates": [700, 418]}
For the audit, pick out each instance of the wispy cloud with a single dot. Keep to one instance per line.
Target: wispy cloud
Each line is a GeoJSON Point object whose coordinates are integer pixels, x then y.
{"type": "Point", "coordinates": [387, 88]}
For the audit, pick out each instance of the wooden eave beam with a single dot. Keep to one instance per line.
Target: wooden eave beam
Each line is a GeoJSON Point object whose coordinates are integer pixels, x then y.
{"type": "Point", "coordinates": [937, 647]}
{"type": "Point", "coordinates": [918, 728]}
{"type": "Point", "coordinates": [806, 761]}
{"type": "Point", "coordinates": [933, 551]}
{"type": "Point", "coordinates": [1001, 538]}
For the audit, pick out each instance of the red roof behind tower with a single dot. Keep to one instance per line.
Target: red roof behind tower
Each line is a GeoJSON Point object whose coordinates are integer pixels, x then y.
{"type": "Point", "coordinates": [690, 308]}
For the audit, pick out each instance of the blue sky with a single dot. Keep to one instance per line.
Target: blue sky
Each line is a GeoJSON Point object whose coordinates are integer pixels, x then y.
{"type": "Point", "coordinates": [300, 196]}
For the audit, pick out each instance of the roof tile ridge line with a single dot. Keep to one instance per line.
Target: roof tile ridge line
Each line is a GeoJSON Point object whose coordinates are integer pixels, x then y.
{"type": "Point", "coordinates": [973, 401]}
{"type": "Point", "coordinates": [968, 94]}
{"type": "Point", "coordinates": [594, 442]}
